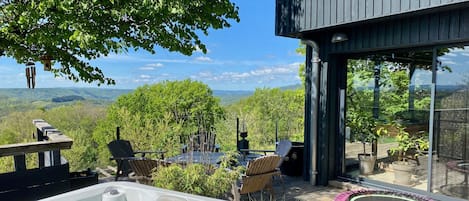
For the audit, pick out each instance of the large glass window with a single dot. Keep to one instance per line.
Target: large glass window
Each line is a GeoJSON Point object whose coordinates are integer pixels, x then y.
{"type": "Point", "coordinates": [391, 136]}
{"type": "Point", "coordinates": [451, 123]}
{"type": "Point", "coordinates": [387, 117]}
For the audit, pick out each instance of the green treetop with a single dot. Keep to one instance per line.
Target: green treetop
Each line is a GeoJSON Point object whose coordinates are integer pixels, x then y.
{"type": "Point", "coordinates": [75, 32]}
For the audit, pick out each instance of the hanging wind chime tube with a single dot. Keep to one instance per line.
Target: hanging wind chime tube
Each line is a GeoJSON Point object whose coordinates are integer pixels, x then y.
{"type": "Point", "coordinates": [30, 74]}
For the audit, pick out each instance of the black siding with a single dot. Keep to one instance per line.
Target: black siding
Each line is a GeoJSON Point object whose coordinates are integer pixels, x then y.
{"type": "Point", "coordinates": [418, 31]}
{"type": "Point", "coordinates": [296, 16]}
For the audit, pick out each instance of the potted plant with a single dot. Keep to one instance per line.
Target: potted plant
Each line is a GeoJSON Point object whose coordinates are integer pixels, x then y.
{"type": "Point", "coordinates": [367, 131]}
{"type": "Point", "coordinates": [405, 155]}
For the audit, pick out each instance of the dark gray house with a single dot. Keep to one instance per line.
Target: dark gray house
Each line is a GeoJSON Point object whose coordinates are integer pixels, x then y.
{"type": "Point", "coordinates": [402, 65]}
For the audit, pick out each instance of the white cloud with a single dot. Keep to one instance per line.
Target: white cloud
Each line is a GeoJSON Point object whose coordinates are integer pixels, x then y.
{"type": "Point", "coordinates": [145, 76]}
{"type": "Point", "coordinates": [151, 66]}
{"type": "Point", "coordinates": [286, 72]}
{"type": "Point", "coordinates": [203, 59]}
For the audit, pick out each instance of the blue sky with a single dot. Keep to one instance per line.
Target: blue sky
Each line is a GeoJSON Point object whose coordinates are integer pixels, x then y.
{"type": "Point", "coordinates": [245, 56]}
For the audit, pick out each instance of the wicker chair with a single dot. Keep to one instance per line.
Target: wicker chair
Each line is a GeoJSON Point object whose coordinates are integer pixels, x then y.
{"type": "Point", "coordinates": [143, 168]}
{"type": "Point", "coordinates": [258, 177]}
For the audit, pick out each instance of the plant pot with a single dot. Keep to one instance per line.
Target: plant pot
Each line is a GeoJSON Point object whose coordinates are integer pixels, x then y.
{"type": "Point", "coordinates": [367, 163]}
{"type": "Point", "coordinates": [403, 172]}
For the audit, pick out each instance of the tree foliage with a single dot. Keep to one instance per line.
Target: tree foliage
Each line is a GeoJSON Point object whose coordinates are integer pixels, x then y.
{"type": "Point", "coordinates": [157, 116]}
{"type": "Point", "coordinates": [76, 121]}
{"type": "Point", "coordinates": [260, 113]}
{"type": "Point", "coordinates": [75, 32]}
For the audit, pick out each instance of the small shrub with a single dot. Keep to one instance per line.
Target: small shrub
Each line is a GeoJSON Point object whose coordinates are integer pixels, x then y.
{"type": "Point", "coordinates": [198, 179]}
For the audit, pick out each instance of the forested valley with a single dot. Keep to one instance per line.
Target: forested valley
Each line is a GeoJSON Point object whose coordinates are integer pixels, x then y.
{"type": "Point", "coordinates": [153, 117]}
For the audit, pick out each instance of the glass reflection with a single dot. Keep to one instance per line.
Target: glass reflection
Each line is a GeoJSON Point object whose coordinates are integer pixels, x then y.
{"type": "Point", "coordinates": [387, 117]}
{"type": "Point", "coordinates": [451, 124]}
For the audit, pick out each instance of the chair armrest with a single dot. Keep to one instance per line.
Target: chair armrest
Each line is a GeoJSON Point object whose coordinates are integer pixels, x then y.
{"type": "Point", "coordinates": [125, 158]}
{"type": "Point", "coordinates": [160, 152]}
{"type": "Point", "coordinates": [256, 150]}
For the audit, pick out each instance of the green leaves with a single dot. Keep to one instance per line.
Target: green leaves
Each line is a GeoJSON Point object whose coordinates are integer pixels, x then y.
{"type": "Point", "coordinates": [75, 31]}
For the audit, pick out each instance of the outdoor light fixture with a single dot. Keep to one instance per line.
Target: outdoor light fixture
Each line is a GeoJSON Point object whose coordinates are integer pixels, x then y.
{"type": "Point", "coordinates": [339, 37]}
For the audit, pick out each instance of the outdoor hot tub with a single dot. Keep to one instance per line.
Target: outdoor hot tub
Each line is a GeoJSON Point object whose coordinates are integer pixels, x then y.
{"type": "Point", "coordinates": [125, 191]}
{"type": "Point", "coordinates": [378, 195]}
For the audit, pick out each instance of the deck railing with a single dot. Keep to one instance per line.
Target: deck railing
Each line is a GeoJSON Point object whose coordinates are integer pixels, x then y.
{"type": "Point", "coordinates": [49, 178]}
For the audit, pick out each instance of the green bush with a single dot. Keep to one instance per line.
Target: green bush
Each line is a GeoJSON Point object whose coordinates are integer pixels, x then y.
{"type": "Point", "coordinates": [205, 180]}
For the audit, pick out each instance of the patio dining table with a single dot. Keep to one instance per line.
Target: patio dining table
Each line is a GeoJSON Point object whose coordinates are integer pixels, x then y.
{"type": "Point", "coordinates": [212, 158]}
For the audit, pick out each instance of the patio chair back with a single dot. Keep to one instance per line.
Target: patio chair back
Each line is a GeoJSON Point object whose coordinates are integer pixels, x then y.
{"type": "Point", "coordinates": [259, 173]}
{"type": "Point", "coordinates": [283, 148]}
{"type": "Point", "coordinates": [121, 149]}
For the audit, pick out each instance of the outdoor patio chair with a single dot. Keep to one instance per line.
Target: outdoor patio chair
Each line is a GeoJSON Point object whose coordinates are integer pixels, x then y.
{"type": "Point", "coordinates": [122, 152]}
{"type": "Point", "coordinates": [143, 168]}
{"type": "Point", "coordinates": [258, 177]}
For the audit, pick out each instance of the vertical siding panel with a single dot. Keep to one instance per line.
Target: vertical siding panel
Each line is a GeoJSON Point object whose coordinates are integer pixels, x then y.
{"type": "Point", "coordinates": [423, 29]}
{"type": "Point", "coordinates": [361, 9]}
{"type": "Point", "coordinates": [414, 4]}
{"type": "Point", "coordinates": [366, 37]}
{"type": "Point", "coordinates": [381, 35]}
{"type": "Point", "coordinates": [424, 3]}
{"type": "Point", "coordinates": [369, 8]}
{"type": "Point", "coordinates": [358, 42]}
{"type": "Point", "coordinates": [347, 11]}
{"type": "Point", "coordinates": [327, 12]}
{"type": "Point", "coordinates": [354, 10]}
{"type": "Point", "coordinates": [320, 11]}
{"type": "Point", "coordinates": [405, 31]}
{"type": "Point", "coordinates": [435, 2]}
{"type": "Point", "coordinates": [433, 27]}
{"type": "Point", "coordinates": [300, 10]}
{"type": "Point", "coordinates": [405, 5]}
{"type": "Point", "coordinates": [395, 6]}
{"type": "Point", "coordinates": [308, 13]}
{"type": "Point", "coordinates": [334, 11]}
{"type": "Point", "coordinates": [445, 1]}
{"type": "Point", "coordinates": [340, 11]}
{"type": "Point", "coordinates": [396, 33]}
{"type": "Point", "coordinates": [314, 13]}
{"type": "Point", "coordinates": [415, 30]}
{"type": "Point", "coordinates": [444, 26]}
{"type": "Point", "coordinates": [454, 24]}
{"type": "Point", "coordinates": [388, 34]}
{"type": "Point", "coordinates": [378, 8]}
{"type": "Point", "coordinates": [373, 36]}
{"type": "Point", "coordinates": [464, 30]}
{"type": "Point", "coordinates": [386, 7]}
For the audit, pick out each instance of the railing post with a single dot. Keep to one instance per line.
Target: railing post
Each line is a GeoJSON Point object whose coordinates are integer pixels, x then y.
{"type": "Point", "coordinates": [56, 157]}
{"type": "Point", "coordinates": [20, 162]}
{"type": "Point", "coordinates": [40, 155]}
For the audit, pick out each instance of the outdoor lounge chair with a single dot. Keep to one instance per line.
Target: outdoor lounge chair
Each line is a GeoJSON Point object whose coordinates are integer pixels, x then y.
{"type": "Point", "coordinates": [258, 177]}
{"type": "Point", "coordinates": [143, 168]}
{"type": "Point", "coordinates": [122, 152]}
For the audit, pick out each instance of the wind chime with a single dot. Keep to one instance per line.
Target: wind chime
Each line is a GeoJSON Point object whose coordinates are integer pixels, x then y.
{"type": "Point", "coordinates": [31, 70]}
{"type": "Point", "coordinates": [31, 74]}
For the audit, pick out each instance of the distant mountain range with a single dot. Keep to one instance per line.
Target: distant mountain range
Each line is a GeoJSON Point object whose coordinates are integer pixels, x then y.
{"type": "Point", "coordinates": [102, 94]}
